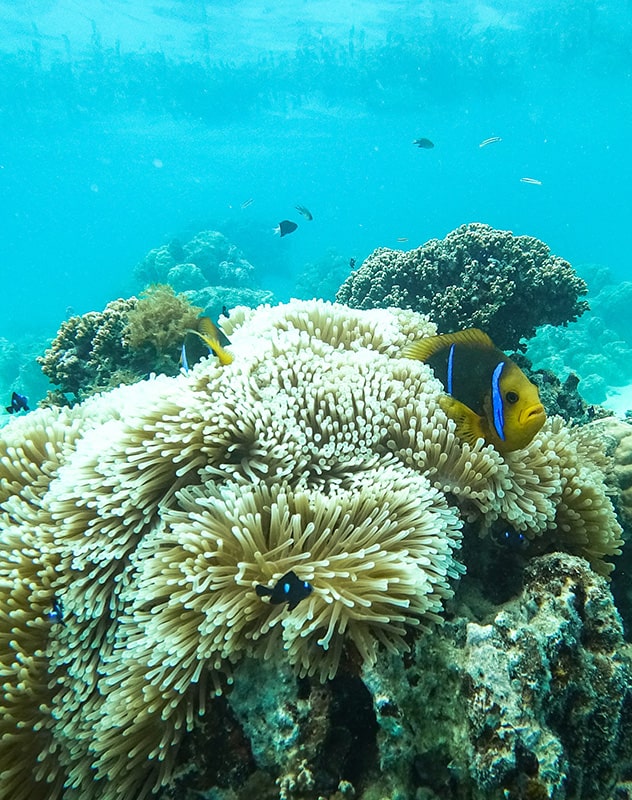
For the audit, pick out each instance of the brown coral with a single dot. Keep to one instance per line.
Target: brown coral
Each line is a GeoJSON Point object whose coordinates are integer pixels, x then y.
{"type": "Point", "coordinates": [88, 349]}
{"type": "Point", "coordinates": [155, 329]}
{"type": "Point", "coordinates": [476, 277]}
{"type": "Point", "coordinates": [121, 344]}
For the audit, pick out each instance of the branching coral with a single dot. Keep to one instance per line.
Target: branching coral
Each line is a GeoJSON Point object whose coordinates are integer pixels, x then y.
{"type": "Point", "coordinates": [88, 349]}
{"type": "Point", "coordinates": [155, 510]}
{"type": "Point", "coordinates": [122, 344]}
{"type": "Point", "coordinates": [155, 329]}
{"type": "Point", "coordinates": [476, 277]}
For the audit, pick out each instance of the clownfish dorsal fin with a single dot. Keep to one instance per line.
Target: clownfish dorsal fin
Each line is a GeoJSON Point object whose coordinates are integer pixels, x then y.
{"type": "Point", "coordinates": [424, 349]}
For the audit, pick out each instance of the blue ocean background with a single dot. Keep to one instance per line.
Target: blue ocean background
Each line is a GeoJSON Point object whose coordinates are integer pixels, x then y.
{"type": "Point", "coordinates": [126, 124]}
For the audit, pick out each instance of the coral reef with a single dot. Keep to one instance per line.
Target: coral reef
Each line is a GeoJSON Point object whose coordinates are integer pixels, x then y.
{"type": "Point", "coordinates": [533, 701]}
{"type": "Point", "coordinates": [208, 270]}
{"type": "Point", "coordinates": [88, 350]}
{"type": "Point", "coordinates": [530, 697]}
{"type": "Point", "coordinates": [155, 510]}
{"type": "Point", "coordinates": [155, 327]}
{"type": "Point", "coordinates": [322, 278]}
{"type": "Point", "coordinates": [207, 259]}
{"type": "Point", "coordinates": [121, 344]}
{"type": "Point", "coordinates": [598, 346]}
{"type": "Point", "coordinates": [213, 299]}
{"type": "Point", "coordinates": [476, 277]}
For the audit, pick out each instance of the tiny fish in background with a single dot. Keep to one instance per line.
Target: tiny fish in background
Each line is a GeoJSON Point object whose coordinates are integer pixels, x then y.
{"type": "Point", "coordinates": [305, 212]}
{"type": "Point", "coordinates": [402, 238]}
{"type": "Point", "coordinates": [247, 203]}
{"type": "Point", "coordinates": [225, 312]}
{"type": "Point", "coordinates": [352, 262]}
{"type": "Point", "coordinates": [285, 226]}
{"type": "Point", "coordinates": [425, 144]}
{"type": "Point", "coordinates": [19, 402]}
{"type": "Point", "coordinates": [490, 140]}
{"type": "Point", "coordinates": [56, 616]}
{"type": "Point", "coordinates": [533, 181]}
{"type": "Point", "coordinates": [490, 397]}
{"type": "Point", "coordinates": [288, 589]}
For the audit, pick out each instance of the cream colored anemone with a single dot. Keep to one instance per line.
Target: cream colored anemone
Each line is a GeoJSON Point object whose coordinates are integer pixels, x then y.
{"type": "Point", "coordinates": [155, 510]}
{"type": "Point", "coordinates": [378, 556]}
{"type": "Point", "coordinates": [584, 521]}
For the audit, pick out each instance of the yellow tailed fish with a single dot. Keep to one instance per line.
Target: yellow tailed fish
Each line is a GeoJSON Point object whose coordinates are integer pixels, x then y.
{"type": "Point", "coordinates": [208, 333]}
{"type": "Point", "coordinates": [489, 396]}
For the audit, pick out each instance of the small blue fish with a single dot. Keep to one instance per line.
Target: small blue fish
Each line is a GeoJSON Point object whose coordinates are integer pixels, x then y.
{"type": "Point", "coordinates": [305, 212]}
{"type": "Point", "coordinates": [512, 539]}
{"type": "Point", "coordinates": [288, 589]}
{"type": "Point", "coordinates": [19, 402]}
{"type": "Point", "coordinates": [56, 616]}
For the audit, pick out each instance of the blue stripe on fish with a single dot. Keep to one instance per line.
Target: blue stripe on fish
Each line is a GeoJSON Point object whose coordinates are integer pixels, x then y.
{"type": "Point", "coordinates": [497, 402]}
{"type": "Point", "coordinates": [450, 369]}
{"type": "Point", "coordinates": [183, 356]}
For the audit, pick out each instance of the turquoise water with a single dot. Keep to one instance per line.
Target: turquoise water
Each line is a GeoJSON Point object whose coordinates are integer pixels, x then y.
{"type": "Point", "coordinates": [128, 123]}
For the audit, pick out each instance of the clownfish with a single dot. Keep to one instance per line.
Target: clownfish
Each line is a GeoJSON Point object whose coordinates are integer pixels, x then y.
{"type": "Point", "coordinates": [488, 395]}
{"type": "Point", "coordinates": [198, 343]}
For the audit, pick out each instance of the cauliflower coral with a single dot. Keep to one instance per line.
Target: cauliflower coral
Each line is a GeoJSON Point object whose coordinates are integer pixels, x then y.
{"type": "Point", "coordinates": [476, 277]}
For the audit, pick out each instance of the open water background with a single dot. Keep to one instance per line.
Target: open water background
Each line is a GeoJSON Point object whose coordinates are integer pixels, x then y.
{"type": "Point", "coordinates": [125, 124]}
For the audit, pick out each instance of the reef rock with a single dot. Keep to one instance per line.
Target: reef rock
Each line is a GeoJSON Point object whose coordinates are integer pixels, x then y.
{"type": "Point", "coordinates": [207, 259]}
{"type": "Point", "coordinates": [533, 701]}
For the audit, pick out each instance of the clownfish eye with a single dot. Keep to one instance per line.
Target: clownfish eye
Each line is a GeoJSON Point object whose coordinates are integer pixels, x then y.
{"type": "Point", "coordinates": [512, 397]}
